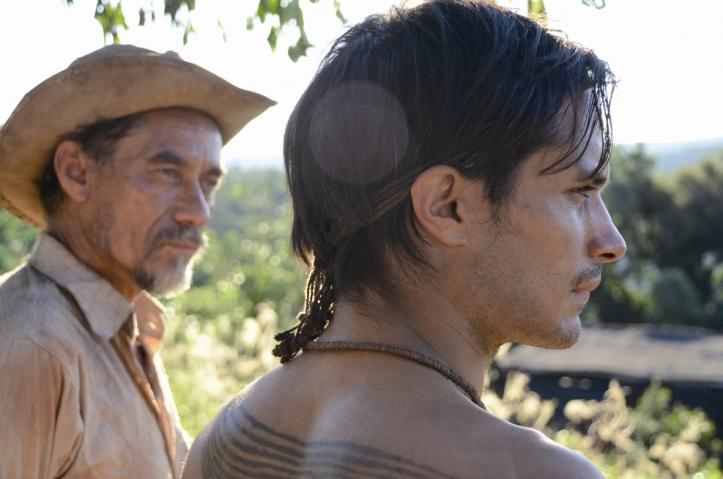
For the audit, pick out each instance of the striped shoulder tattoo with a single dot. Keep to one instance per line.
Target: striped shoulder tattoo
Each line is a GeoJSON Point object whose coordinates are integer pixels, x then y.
{"type": "Point", "coordinates": [240, 446]}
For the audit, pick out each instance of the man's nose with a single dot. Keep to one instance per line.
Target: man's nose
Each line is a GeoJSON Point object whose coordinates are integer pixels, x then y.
{"type": "Point", "coordinates": [193, 208]}
{"type": "Point", "coordinates": [606, 245]}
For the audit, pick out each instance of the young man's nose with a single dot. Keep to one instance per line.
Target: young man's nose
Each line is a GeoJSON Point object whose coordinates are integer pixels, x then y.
{"type": "Point", "coordinates": [606, 245]}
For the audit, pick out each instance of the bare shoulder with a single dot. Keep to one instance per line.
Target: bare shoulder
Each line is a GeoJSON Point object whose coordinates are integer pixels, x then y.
{"type": "Point", "coordinates": [520, 452]}
{"type": "Point", "coordinates": [192, 463]}
{"type": "Point", "coordinates": [217, 451]}
{"type": "Point", "coordinates": [270, 432]}
{"type": "Point", "coordinates": [550, 459]}
{"type": "Point", "coordinates": [202, 458]}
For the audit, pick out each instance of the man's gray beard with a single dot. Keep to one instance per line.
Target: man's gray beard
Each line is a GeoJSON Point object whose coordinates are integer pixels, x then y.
{"type": "Point", "coordinates": [169, 282]}
{"type": "Point", "coordinates": [165, 284]}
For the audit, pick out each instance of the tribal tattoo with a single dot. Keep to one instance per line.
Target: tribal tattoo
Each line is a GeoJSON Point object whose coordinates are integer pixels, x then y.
{"type": "Point", "coordinates": [241, 446]}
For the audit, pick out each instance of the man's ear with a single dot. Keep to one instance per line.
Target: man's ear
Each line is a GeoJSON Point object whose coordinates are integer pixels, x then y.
{"type": "Point", "coordinates": [73, 166]}
{"type": "Point", "coordinates": [445, 204]}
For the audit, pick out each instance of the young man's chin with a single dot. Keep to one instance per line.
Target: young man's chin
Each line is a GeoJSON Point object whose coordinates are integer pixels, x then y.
{"type": "Point", "coordinates": [567, 334]}
{"type": "Point", "coordinates": [562, 335]}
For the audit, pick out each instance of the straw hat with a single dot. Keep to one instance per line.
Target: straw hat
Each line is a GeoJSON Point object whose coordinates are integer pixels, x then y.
{"type": "Point", "coordinates": [111, 82]}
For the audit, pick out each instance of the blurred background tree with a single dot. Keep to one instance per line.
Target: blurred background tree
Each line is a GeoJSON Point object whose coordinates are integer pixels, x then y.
{"type": "Point", "coordinates": [673, 226]}
{"type": "Point", "coordinates": [274, 15]}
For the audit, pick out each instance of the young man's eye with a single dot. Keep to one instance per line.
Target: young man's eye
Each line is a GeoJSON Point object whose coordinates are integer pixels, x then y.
{"type": "Point", "coordinates": [583, 191]}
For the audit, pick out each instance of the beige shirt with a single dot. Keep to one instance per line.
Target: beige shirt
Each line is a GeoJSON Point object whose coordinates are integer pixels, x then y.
{"type": "Point", "coordinates": [83, 393]}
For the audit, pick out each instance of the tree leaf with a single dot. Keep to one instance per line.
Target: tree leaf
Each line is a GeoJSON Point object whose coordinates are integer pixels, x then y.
{"type": "Point", "coordinates": [187, 32]}
{"type": "Point", "coordinates": [109, 14]}
{"type": "Point", "coordinates": [594, 3]}
{"type": "Point", "coordinates": [261, 11]}
{"type": "Point", "coordinates": [224, 34]}
{"type": "Point", "coordinates": [273, 38]}
{"type": "Point", "coordinates": [272, 6]}
{"type": "Point", "coordinates": [339, 13]}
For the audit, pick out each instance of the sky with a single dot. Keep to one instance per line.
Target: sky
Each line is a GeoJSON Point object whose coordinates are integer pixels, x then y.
{"type": "Point", "coordinates": [666, 55]}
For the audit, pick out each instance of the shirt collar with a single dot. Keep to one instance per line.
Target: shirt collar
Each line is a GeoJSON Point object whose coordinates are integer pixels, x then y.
{"type": "Point", "coordinates": [103, 306]}
{"type": "Point", "coordinates": [151, 325]}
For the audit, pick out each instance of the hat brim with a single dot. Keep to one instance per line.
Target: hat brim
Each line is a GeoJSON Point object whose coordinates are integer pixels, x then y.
{"type": "Point", "coordinates": [107, 88]}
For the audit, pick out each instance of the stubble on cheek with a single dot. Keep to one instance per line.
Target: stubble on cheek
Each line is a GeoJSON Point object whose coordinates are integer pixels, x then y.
{"type": "Point", "coordinates": [518, 299]}
{"type": "Point", "coordinates": [102, 226]}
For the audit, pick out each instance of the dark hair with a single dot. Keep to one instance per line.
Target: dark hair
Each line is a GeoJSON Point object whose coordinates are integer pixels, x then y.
{"type": "Point", "coordinates": [98, 139]}
{"type": "Point", "coordinates": [459, 83]}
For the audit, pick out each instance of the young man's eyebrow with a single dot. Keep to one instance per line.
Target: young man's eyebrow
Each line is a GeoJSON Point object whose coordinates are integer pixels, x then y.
{"type": "Point", "coordinates": [599, 179]}
{"type": "Point", "coordinates": [592, 177]}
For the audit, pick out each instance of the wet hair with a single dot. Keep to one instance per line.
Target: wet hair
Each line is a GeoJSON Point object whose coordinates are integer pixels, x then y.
{"type": "Point", "coordinates": [459, 83]}
{"type": "Point", "coordinates": [98, 139]}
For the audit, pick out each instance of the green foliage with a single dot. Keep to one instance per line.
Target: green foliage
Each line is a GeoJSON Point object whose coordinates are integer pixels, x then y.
{"type": "Point", "coordinates": [674, 298]}
{"type": "Point", "coordinates": [281, 14]}
{"type": "Point", "coordinates": [111, 18]}
{"type": "Point", "coordinates": [651, 440]}
{"type": "Point", "coordinates": [673, 228]}
{"type": "Point", "coordinates": [537, 10]}
{"type": "Point", "coordinates": [16, 241]}
{"type": "Point", "coordinates": [696, 246]}
{"type": "Point", "coordinates": [288, 13]}
{"type": "Point", "coordinates": [210, 359]}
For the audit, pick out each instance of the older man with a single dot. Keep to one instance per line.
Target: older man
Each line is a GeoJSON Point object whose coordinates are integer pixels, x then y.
{"type": "Point", "coordinates": [445, 167]}
{"type": "Point", "coordinates": [116, 160]}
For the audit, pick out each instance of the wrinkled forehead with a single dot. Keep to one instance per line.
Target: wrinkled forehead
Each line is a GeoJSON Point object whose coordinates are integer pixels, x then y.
{"type": "Point", "coordinates": [187, 133]}
{"type": "Point", "coordinates": [180, 118]}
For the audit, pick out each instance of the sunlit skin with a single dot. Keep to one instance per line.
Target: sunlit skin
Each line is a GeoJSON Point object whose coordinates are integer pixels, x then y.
{"type": "Point", "coordinates": [533, 273]}
{"type": "Point", "coordinates": [137, 219]}
{"type": "Point", "coordinates": [524, 278]}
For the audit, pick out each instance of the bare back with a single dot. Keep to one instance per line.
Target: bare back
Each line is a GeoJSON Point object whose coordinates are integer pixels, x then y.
{"type": "Point", "coordinates": [324, 416]}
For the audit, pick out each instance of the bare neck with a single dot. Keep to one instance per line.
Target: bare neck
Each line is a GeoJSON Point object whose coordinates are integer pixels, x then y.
{"type": "Point", "coordinates": [77, 239]}
{"type": "Point", "coordinates": [425, 322]}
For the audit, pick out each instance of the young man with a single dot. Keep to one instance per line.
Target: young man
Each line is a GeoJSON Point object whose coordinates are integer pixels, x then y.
{"type": "Point", "coordinates": [445, 167]}
{"type": "Point", "coordinates": [115, 160]}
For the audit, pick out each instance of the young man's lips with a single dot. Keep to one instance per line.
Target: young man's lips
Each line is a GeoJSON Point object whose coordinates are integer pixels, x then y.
{"type": "Point", "coordinates": [588, 286]}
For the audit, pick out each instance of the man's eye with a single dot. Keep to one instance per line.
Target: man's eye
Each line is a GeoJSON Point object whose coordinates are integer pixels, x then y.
{"type": "Point", "coordinates": [170, 173]}
{"type": "Point", "coordinates": [210, 185]}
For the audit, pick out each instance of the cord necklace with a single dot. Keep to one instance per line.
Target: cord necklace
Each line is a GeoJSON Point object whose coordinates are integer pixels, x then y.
{"type": "Point", "coordinates": [405, 353]}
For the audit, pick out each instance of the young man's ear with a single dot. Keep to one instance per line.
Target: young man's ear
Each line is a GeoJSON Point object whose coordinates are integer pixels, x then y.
{"type": "Point", "coordinates": [441, 198]}
{"type": "Point", "coordinates": [73, 166]}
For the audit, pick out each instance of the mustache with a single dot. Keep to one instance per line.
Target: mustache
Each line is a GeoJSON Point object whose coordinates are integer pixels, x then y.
{"type": "Point", "coordinates": [587, 275]}
{"type": "Point", "coordinates": [180, 233]}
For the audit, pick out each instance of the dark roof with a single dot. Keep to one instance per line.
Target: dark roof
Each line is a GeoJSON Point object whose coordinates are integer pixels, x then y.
{"type": "Point", "coordinates": [645, 352]}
